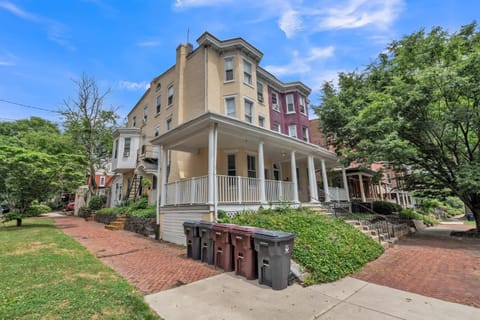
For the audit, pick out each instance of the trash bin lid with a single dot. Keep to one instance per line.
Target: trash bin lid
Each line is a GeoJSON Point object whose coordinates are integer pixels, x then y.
{"type": "Point", "coordinates": [226, 227]}
{"type": "Point", "coordinates": [190, 223]}
{"type": "Point", "coordinates": [273, 235]}
{"type": "Point", "coordinates": [205, 224]}
{"type": "Point", "coordinates": [244, 230]}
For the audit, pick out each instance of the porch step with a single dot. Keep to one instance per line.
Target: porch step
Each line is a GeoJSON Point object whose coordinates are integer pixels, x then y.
{"type": "Point", "coordinates": [316, 208]}
{"type": "Point", "coordinates": [117, 224]}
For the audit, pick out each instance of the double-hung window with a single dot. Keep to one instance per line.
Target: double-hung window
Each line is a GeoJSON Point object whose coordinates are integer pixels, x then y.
{"type": "Point", "coordinates": [251, 166]}
{"type": "Point", "coordinates": [290, 105]}
{"type": "Point", "coordinates": [261, 121]}
{"type": "Point", "coordinates": [170, 95]}
{"type": "Point", "coordinates": [231, 165]}
{"type": "Point", "coordinates": [292, 130]}
{"type": "Point", "coordinates": [302, 105]}
{"type": "Point", "coordinates": [159, 103]}
{"type": "Point", "coordinates": [134, 121]}
{"type": "Point", "coordinates": [259, 91]}
{"type": "Point", "coordinates": [145, 114]}
{"type": "Point", "coordinates": [115, 154]}
{"type": "Point", "coordinates": [247, 72]}
{"type": "Point", "coordinates": [305, 133]}
{"type": "Point", "coordinates": [248, 111]}
{"type": "Point", "coordinates": [126, 147]}
{"type": "Point", "coordinates": [276, 127]}
{"type": "Point", "coordinates": [228, 65]}
{"type": "Point", "coordinates": [230, 107]}
{"type": "Point", "coordinates": [102, 181]}
{"type": "Point", "coordinates": [275, 102]}
{"type": "Point", "coordinates": [168, 124]}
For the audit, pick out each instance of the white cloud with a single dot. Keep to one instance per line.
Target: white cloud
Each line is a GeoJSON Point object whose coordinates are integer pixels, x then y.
{"type": "Point", "coordinates": [133, 86]}
{"type": "Point", "coordinates": [7, 59]}
{"type": "Point", "coordinates": [199, 3]}
{"type": "Point", "coordinates": [148, 43]}
{"type": "Point", "coordinates": [301, 64]}
{"type": "Point", "coordinates": [290, 22]}
{"type": "Point", "coordinates": [56, 31]}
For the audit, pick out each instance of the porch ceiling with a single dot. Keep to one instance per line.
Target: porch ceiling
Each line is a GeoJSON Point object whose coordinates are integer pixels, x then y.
{"type": "Point", "coordinates": [236, 134]}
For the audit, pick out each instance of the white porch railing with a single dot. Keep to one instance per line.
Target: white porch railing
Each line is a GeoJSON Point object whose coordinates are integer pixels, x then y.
{"type": "Point", "coordinates": [337, 194]}
{"type": "Point", "coordinates": [230, 189]}
{"type": "Point", "coordinates": [188, 191]}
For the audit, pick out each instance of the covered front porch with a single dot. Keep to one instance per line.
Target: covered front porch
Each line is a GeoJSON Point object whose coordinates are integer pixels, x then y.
{"type": "Point", "coordinates": [223, 162]}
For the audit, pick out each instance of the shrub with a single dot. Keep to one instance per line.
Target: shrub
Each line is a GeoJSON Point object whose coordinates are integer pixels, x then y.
{"type": "Point", "coordinates": [411, 214]}
{"type": "Point", "coordinates": [385, 207]}
{"type": "Point", "coordinates": [327, 247]}
{"type": "Point", "coordinates": [97, 202]}
{"type": "Point", "coordinates": [37, 209]}
{"type": "Point", "coordinates": [106, 211]}
{"type": "Point", "coordinates": [148, 212]}
{"type": "Point", "coordinates": [141, 203]}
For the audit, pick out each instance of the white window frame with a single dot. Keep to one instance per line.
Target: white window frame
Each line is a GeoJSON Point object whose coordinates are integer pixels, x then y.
{"type": "Point", "coordinates": [261, 121]}
{"type": "Point", "coordinates": [145, 114]}
{"type": "Point", "coordinates": [248, 115]}
{"type": "Point", "coordinates": [159, 103]}
{"type": "Point", "coordinates": [232, 60]}
{"type": "Point", "coordinates": [302, 104]}
{"type": "Point", "coordinates": [101, 183]}
{"type": "Point", "coordinates": [292, 130]}
{"type": "Point", "coordinates": [170, 94]}
{"type": "Point", "coordinates": [126, 152]}
{"type": "Point", "coordinates": [236, 164]}
{"type": "Point", "coordinates": [247, 75]}
{"type": "Point", "coordinates": [254, 170]}
{"type": "Point", "coordinates": [290, 111]}
{"type": "Point", "coordinates": [305, 133]}
{"type": "Point", "coordinates": [168, 124]}
{"type": "Point", "coordinates": [260, 96]}
{"type": "Point", "coordinates": [115, 152]}
{"type": "Point", "coordinates": [275, 106]}
{"type": "Point", "coordinates": [156, 131]}
{"type": "Point", "coordinates": [277, 125]}
{"type": "Point", "coordinates": [230, 114]}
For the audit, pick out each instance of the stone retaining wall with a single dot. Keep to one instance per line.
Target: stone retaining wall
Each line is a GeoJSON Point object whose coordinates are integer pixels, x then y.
{"type": "Point", "coordinates": [144, 226]}
{"type": "Point", "coordinates": [105, 218]}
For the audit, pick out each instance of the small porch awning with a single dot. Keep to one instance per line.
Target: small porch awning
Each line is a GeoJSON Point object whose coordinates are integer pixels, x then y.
{"type": "Point", "coordinates": [234, 133]}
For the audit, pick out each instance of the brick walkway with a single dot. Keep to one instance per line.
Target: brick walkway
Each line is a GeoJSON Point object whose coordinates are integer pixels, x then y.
{"type": "Point", "coordinates": [431, 263]}
{"type": "Point", "coordinates": [147, 264]}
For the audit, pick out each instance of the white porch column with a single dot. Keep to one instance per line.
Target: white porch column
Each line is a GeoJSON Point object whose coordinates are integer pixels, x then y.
{"type": "Point", "coordinates": [212, 160]}
{"type": "Point", "coordinates": [158, 186]}
{"type": "Point", "coordinates": [325, 182]}
{"type": "Point", "coordinates": [163, 172]}
{"type": "Point", "coordinates": [381, 190]}
{"type": "Point", "coordinates": [293, 165]}
{"type": "Point", "coordinates": [362, 189]}
{"type": "Point", "coordinates": [312, 180]}
{"type": "Point", "coordinates": [261, 169]}
{"type": "Point", "coordinates": [345, 183]}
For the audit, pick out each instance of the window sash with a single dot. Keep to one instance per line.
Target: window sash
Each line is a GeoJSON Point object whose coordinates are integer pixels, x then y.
{"type": "Point", "coordinates": [276, 127]}
{"type": "Point", "coordinates": [168, 124]}
{"type": "Point", "coordinates": [305, 134]}
{"type": "Point", "coordinates": [292, 130]}
{"type": "Point", "coordinates": [290, 106]}
{"type": "Point", "coordinates": [248, 111]}
{"type": "Point", "coordinates": [261, 121]}
{"type": "Point", "coordinates": [260, 91]}
{"type": "Point", "coordinates": [126, 147]}
{"type": "Point", "coordinates": [170, 95]}
{"type": "Point", "coordinates": [302, 105]}
{"type": "Point", "coordinates": [230, 107]}
{"type": "Point", "coordinates": [247, 72]}
{"type": "Point", "coordinates": [231, 165]}
{"type": "Point", "coordinates": [228, 69]}
{"type": "Point", "coordinates": [159, 103]}
{"type": "Point", "coordinates": [251, 166]}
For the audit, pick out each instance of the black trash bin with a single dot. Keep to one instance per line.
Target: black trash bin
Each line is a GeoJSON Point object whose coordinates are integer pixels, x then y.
{"type": "Point", "coordinates": [190, 228]}
{"type": "Point", "coordinates": [207, 244]}
{"type": "Point", "coordinates": [274, 249]}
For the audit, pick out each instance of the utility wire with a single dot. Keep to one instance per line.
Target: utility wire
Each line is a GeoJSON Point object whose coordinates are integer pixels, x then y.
{"type": "Point", "coordinates": [28, 106]}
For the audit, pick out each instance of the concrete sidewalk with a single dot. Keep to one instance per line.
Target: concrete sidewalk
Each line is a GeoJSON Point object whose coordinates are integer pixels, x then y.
{"type": "Point", "coordinates": [227, 296]}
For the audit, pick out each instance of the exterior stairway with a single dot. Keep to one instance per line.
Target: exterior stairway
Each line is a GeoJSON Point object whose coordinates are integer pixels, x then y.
{"type": "Point", "coordinates": [316, 208]}
{"type": "Point", "coordinates": [118, 224]}
{"type": "Point", "coordinates": [382, 237]}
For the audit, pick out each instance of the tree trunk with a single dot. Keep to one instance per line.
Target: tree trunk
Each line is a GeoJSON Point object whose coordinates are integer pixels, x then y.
{"type": "Point", "coordinates": [475, 208]}
{"type": "Point", "coordinates": [19, 222]}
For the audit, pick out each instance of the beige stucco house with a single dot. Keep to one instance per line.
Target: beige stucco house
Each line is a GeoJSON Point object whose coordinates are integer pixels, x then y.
{"type": "Point", "coordinates": [218, 132]}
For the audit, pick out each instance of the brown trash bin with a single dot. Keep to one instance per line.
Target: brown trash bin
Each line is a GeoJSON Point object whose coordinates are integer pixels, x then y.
{"type": "Point", "coordinates": [223, 247]}
{"type": "Point", "coordinates": [245, 257]}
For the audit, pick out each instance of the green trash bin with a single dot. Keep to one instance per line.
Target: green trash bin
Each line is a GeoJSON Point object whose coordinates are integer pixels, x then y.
{"type": "Point", "coordinates": [274, 250]}
{"type": "Point", "coordinates": [207, 244]}
{"type": "Point", "coordinates": [190, 228]}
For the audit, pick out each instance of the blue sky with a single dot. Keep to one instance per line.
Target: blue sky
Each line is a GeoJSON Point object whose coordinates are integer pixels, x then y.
{"type": "Point", "coordinates": [124, 44]}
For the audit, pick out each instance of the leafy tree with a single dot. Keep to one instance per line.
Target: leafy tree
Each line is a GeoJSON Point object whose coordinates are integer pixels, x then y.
{"type": "Point", "coordinates": [90, 124]}
{"type": "Point", "coordinates": [37, 161]}
{"type": "Point", "coordinates": [416, 105]}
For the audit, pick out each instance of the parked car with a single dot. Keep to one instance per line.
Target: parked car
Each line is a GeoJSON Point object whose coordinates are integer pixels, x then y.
{"type": "Point", "coordinates": [70, 206]}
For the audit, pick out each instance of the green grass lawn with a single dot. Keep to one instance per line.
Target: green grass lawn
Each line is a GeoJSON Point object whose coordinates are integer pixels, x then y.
{"type": "Point", "coordinates": [45, 274]}
{"type": "Point", "coordinates": [327, 247]}
{"type": "Point", "coordinates": [471, 223]}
